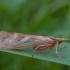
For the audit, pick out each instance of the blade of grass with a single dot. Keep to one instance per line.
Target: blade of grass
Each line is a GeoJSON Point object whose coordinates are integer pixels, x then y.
{"type": "Point", "coordinates": [47, 54]}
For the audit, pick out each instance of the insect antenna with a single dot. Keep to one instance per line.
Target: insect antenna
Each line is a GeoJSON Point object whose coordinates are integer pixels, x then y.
{"type": "Point", "coordinates": [65, 39]}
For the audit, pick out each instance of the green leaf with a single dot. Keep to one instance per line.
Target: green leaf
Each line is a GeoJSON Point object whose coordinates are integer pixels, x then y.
{"type": "Point", "coordinates": [47, 54]}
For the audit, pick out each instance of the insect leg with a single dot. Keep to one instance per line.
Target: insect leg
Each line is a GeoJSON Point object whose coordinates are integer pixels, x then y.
{"type": "Point", "coordinates": [61, 47]}
{"type": "Point", "coordinates": [34, 50]}
{"type": "Point", "coordinates": [57, 51]}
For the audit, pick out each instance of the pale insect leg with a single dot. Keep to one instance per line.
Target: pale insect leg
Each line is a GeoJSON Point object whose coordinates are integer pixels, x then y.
{"type": "Point", "coordinates": [57, 51]}
{"type": "Point", "coordinates": [34, 50]}
{"type": "Point", "coordinates": [61, 47]}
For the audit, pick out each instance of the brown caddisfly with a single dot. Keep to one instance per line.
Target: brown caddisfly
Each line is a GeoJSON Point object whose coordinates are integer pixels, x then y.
{"type": "Point", "coordinates": [13, 40]}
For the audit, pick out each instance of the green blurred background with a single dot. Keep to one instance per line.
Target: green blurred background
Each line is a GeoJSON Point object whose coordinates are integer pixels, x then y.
{"type": "Point", "coordinates": [46, 17]}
